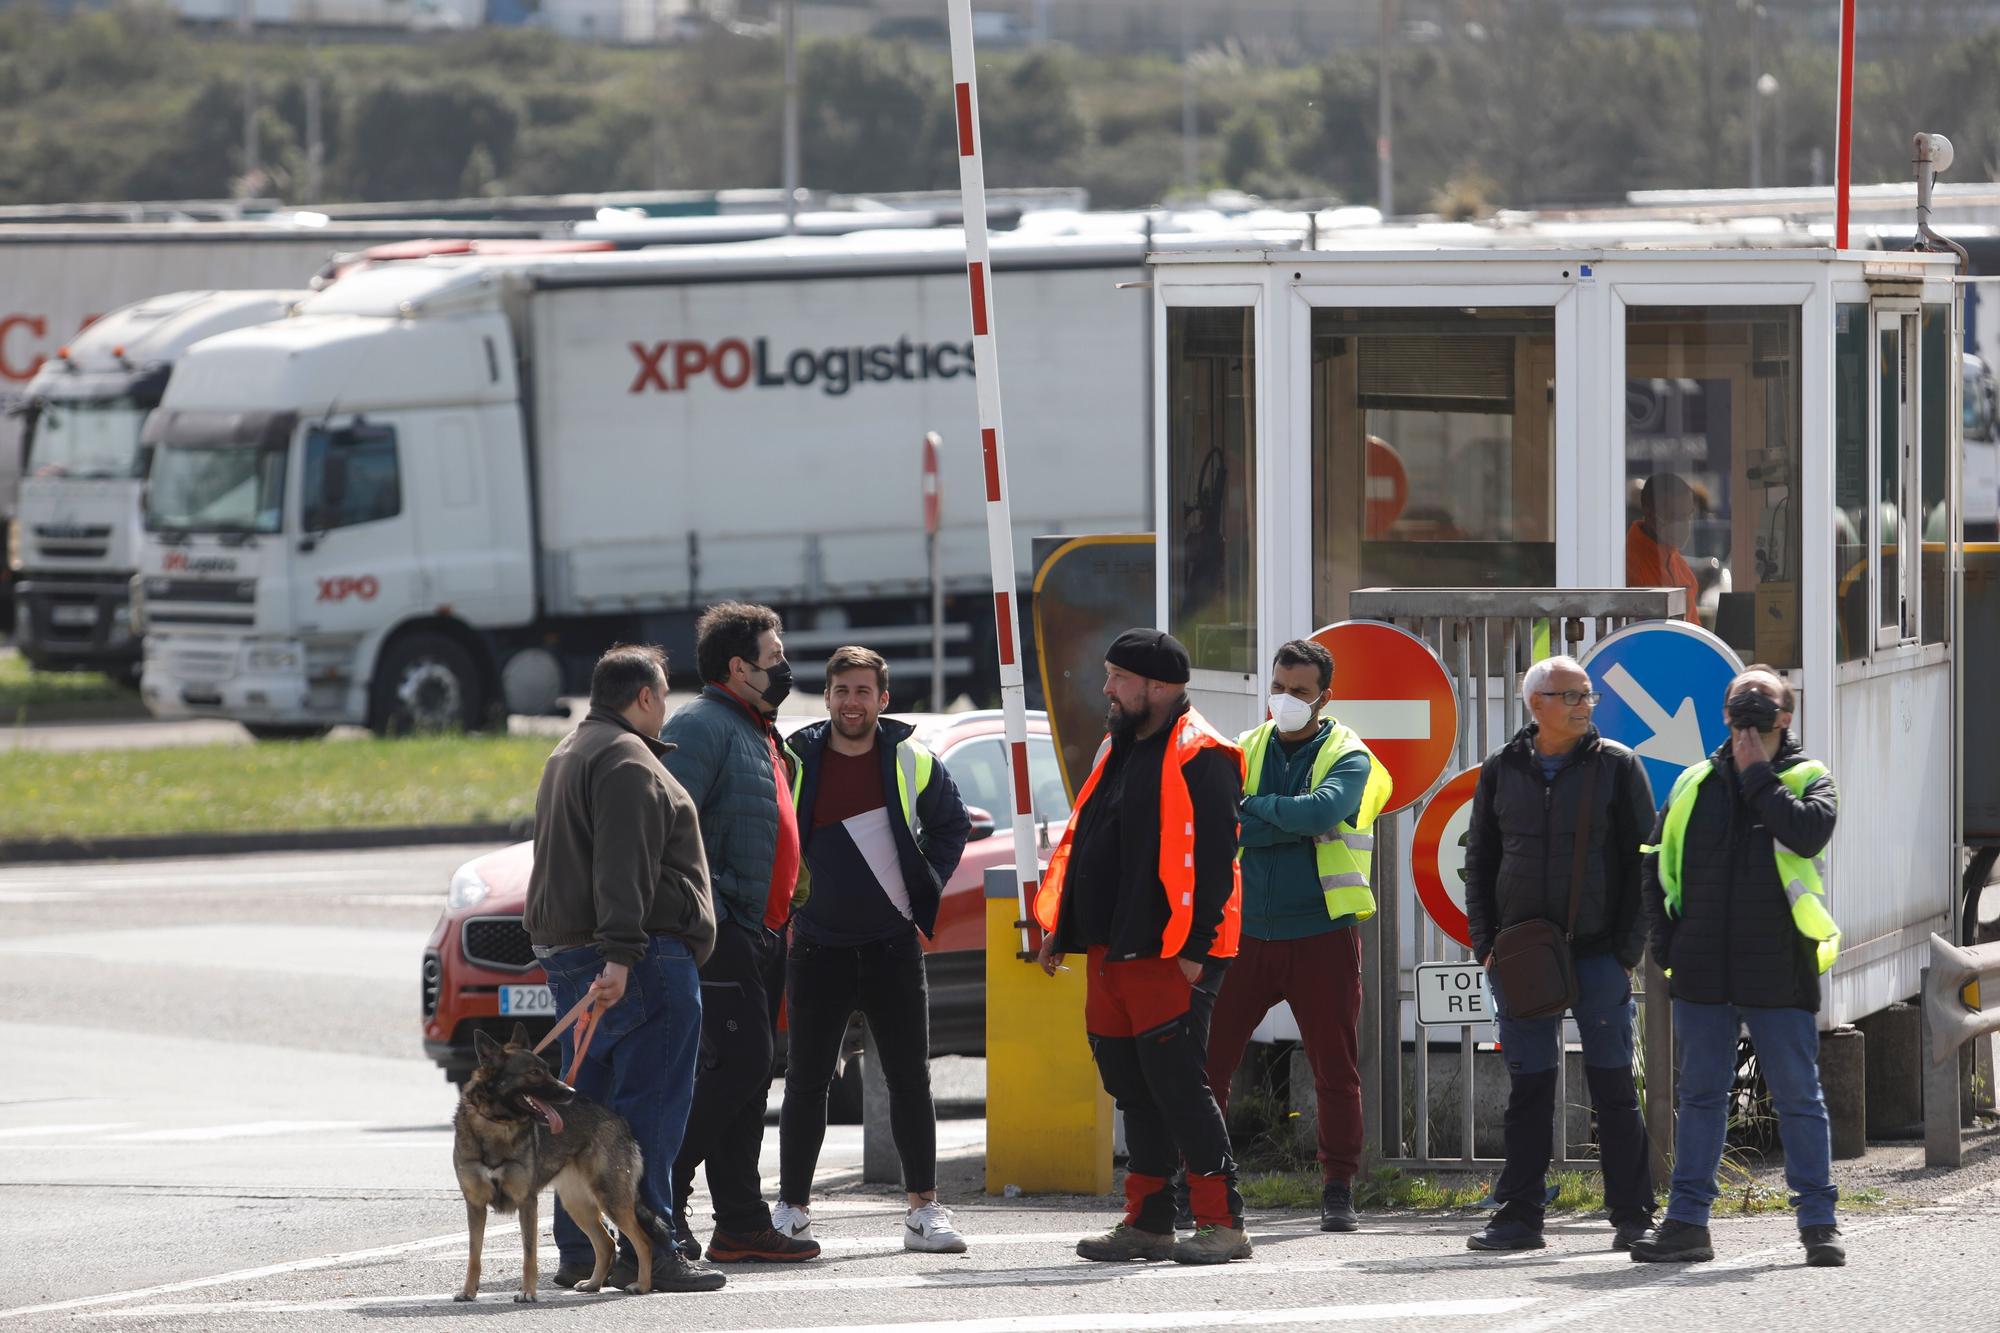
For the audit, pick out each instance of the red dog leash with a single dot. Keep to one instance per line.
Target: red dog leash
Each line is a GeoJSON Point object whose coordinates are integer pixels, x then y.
{"type": "Point", "coordinates": [585, 1019]}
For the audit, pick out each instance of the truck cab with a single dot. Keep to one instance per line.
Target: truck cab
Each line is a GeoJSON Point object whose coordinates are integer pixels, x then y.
{"type": "Point", "coordinates": [78, 534]}
{"type": "Point", "coordinates": [337, 509]}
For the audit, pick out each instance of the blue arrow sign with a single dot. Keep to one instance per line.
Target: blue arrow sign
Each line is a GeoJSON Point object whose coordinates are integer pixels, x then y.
{"type": "Point", "coordinates": [1663, 683]}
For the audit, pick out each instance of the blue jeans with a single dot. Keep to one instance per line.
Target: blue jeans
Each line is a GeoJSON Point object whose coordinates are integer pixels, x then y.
{"type": "Point", "coordinates": [1532, 1047]}
{"type": "Point", "coordinates": [1787, 1042]}
{"type": "Point", "coordinates": [1604, 1012]}
{"type": "Point", "coordinates": [641, 1062]}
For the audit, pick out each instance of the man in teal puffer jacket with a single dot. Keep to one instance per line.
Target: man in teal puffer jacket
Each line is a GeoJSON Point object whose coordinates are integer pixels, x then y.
{"type": "Point", "coordinates": [728, 756]}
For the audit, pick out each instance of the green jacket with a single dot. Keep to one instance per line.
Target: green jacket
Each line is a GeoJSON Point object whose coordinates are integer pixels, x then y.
{"type": "Point", "coordinates": [1281, 893]}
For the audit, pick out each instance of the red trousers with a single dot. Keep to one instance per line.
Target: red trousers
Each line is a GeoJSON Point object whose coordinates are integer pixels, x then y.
{"type": "Point", "coordinates": [1320, 977]}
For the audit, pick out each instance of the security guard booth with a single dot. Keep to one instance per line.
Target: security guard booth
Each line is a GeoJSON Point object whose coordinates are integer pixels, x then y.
{"type": "Point", "coordinates": [1490, 418]}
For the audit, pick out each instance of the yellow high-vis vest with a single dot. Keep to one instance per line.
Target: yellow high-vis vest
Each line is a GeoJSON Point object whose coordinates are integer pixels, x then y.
{"type": "Point", "coordinates": [1343, 856]}
{"type": "Point", "coordinates": [1804, 878]}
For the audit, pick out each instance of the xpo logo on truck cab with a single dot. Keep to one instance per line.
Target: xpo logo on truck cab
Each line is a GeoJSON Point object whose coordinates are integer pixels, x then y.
{"type": "Point", "coordinates": [733, 363]}
{"type": "Point", "coordinates": [342, 587]}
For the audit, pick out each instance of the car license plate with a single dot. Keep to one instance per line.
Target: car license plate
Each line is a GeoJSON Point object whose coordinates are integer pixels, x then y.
{"type": "Point", "coordinates": [526, 1000]}
{"type": "Point", "coordinates": [73, 615]}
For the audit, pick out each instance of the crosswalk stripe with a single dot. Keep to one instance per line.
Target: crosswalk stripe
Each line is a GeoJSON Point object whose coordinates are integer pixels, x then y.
{"type": "Point", "coordinates": [250, 1129]}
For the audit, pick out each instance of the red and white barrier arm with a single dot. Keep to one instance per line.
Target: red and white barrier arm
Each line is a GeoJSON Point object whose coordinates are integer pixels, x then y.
{"type": "Point", "coordinates": [999, 519]}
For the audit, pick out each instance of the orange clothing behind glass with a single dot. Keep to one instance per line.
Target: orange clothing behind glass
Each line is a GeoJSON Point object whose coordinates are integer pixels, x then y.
{"type": "Point", "coordinates": [1654, 564]}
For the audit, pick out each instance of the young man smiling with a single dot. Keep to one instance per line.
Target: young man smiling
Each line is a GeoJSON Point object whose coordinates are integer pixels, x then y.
{"type": "Point", "coordinates": [881, 828]}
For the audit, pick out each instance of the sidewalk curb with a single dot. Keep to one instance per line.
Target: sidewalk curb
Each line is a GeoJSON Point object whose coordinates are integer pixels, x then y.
{"type": "Point", "coordinates": [26, 851]}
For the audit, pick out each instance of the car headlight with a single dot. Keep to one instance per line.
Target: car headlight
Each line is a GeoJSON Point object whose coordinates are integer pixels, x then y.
{"type": "Point", "coordinates": [271, 657]}
{"type": "Point", "coordinates": [467, 889]}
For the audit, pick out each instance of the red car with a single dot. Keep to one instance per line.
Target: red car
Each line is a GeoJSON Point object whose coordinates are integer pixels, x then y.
{"type": "Point", "coordinates": [480, 973]}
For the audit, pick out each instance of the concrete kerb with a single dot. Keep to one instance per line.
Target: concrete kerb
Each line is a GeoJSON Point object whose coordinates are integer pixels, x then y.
{"type": "Point", "coordinates": [30, 851]}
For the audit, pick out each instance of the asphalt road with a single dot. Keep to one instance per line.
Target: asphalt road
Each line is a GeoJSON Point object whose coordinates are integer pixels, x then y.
{"type": "Point", "coordinates": [215, 1116]}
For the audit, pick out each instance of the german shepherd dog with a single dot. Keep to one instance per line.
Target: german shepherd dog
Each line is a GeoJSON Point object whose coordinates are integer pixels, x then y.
{"type": "Point", "coordinates": [510, 1143]}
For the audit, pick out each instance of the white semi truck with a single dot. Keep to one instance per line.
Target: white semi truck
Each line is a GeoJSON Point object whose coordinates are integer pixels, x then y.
{"type": "Point", "coordinates": [440, 489]}
{"type": "Point", "coordinates": [77, 541]}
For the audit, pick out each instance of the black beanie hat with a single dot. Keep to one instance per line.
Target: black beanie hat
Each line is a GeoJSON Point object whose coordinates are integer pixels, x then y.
{"type": "Point", "coordinates": [1154, 654]}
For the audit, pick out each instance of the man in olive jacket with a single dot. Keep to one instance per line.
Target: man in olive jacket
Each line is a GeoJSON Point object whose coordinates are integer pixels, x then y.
{"type": "Point", "coordinates": [618, 907]}
{"type": "Point", "coordinates": [1519, 863]}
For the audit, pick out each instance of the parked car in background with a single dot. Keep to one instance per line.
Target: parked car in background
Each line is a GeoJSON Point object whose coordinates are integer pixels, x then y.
{"type": "Point", "coordinates": [480, 974]}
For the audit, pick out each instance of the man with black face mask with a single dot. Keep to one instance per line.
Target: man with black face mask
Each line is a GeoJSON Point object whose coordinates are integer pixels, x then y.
{"type": "Point", "coordinates": [1735, 891]}
{"type": "Point", "coordinates": [727, 754]}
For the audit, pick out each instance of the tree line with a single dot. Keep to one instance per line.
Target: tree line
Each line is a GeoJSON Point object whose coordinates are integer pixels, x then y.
{"type": "Point", "coordinates": [1523, 109]}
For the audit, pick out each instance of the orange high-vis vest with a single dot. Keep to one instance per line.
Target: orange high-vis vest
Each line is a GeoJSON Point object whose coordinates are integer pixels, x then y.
{"type": "Point", "coordinates": [1192, 734]}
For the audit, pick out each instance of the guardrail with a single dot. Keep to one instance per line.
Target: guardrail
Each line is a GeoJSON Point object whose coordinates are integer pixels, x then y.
{"type": "Point", "coordinates": [1953, 985]}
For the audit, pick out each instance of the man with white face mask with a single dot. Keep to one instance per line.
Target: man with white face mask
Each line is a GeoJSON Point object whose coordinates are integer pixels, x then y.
{"type": "Point", "coordinates": [1654, 542]}
{"type": "Point", "coordinates": [1310, 798]}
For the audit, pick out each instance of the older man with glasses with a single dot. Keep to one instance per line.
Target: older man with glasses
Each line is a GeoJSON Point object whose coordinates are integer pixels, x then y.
{"type": "Point", "coordinates": [1553, 862]}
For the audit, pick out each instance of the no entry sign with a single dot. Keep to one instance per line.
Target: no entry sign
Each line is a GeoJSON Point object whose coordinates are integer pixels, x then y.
{"type": "Point", "coordinates": [1390, 687]}
{"type": "Point", "coordinates": [1437, 855]}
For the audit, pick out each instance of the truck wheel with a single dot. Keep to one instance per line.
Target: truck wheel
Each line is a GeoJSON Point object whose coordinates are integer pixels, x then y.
{"type": "Point", "coordinates": [426, 683]}
{"type": "Point", "coordinates": [285, 731]}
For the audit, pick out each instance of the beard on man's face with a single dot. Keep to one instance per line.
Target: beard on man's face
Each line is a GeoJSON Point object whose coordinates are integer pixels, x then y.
{"type": "Point", "coordinates": [1124, 724]}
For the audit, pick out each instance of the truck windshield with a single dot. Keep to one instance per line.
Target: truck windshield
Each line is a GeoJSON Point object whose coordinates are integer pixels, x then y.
{"type": "Point", "coordinates": [88, 438]}
{"type": "Point", "coordinates": [217, 488]}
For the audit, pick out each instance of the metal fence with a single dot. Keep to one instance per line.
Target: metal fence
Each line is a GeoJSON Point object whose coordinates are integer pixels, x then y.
{"type": "Point", "coordinates": [1486, 637]}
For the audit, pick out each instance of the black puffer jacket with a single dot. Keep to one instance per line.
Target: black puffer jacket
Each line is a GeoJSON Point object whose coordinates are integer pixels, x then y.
{"type": "Point", "coordinates": [1734, 941]}
{"type": "Point", "coordinates": [1521, 847]}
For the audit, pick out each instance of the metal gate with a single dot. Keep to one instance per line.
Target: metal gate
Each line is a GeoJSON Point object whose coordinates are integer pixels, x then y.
{"type": "Point", "coordinates": [1486, 637]}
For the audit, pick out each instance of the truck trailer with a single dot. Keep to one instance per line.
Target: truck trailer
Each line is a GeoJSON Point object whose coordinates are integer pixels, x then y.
{"type": "Point", "coordinates": [436, 492]}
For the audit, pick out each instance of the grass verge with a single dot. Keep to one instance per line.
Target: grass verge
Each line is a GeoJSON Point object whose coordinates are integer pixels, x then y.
{"type": "Point", "coordinates": [28, 696]}
{"type": "Point", "coordinates": [273, 787]}
{"type": "Point", "coordinates": [1392, 1189]}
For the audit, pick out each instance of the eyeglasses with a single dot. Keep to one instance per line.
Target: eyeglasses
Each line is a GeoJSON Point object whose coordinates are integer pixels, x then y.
{"type": "Point", "coordinates": [1572, 697]}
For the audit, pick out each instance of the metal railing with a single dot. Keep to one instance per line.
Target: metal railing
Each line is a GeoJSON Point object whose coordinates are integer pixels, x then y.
{"type": "Point", "coordinates": [1486, 637]}
{"type": "Point", "coordinates": [1955, 1012]}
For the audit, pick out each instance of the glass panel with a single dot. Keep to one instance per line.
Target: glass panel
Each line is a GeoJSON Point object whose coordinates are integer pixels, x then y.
{"type": "Point", "coordinates": [979, 769]}
{"type": "Point", "coordinates": [85, 438]}
{"type": "Point", "coordinates": [351, 477]}
{"type": "Point", "coordinates": [1211, 484]}
{"type": "Point", "coordinates": [1891, 400]}
{"type": "Point", "coordinates": [1935, 441]}
{"type": "Point", "coordinates": [1850, 481]}
{"type": "Point", "coordinates": [1713, 407]}
{"type": "Point", "coordinates": [1433, 450]}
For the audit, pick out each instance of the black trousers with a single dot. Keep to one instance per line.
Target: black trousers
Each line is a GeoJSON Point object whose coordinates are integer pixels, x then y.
{"type": "Point", "coordinates": [741, 985]}
{"type": "Point", "coordinates": [1159, 1078]}
{"type": "Point", "coordinates": [827, 985]}
{"type": "Point", "coordinates": [1623, 1154]}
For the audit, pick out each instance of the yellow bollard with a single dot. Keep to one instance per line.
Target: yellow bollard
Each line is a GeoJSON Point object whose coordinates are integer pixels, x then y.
{"type": "Point", "coordinates": [1048, 1120]}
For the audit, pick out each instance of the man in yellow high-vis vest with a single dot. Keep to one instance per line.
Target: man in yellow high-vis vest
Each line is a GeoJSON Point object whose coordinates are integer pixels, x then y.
{"type": "Point", "coordinates": [1735, 893]}
{"type": "Point", "coordinates": [1310, 797]}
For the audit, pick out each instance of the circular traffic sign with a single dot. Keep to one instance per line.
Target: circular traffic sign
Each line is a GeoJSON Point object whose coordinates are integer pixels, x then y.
{"type": "Point", "coordinates": [1387, 486]}
{"type": "Point", "coordinates": [1663, 684]}
{"type": "Point", "coordinates": [1390, 687]}
{"type": "Point", "coordinates": [1437, 855]}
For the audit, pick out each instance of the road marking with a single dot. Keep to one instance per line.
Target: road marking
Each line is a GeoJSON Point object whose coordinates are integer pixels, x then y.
{"type": "Point", "coordinates": [250, 1129]}
{"type": "Point", "coordinates": [497, 1288]}
{"type": "Point", "coordinates": [494, 1227]}
{"type": "Point", "coordinates": [34, 1131]}
{"type": "Point", "coordinates": [1385, 719]}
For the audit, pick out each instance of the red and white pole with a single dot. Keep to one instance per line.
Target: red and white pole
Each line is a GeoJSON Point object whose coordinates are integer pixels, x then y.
{"type": "Point", "coordinates": [1843, 139]}
{"type": "Point", "coordinates": [999, 519]}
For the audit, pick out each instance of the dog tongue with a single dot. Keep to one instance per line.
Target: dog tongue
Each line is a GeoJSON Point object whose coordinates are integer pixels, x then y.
{"type": "Point", "coordinates": [548, 1113]}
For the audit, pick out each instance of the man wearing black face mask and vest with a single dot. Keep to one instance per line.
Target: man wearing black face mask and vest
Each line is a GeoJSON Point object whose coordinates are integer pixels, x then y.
{"type": "Point", "coordinates": [728, 756]}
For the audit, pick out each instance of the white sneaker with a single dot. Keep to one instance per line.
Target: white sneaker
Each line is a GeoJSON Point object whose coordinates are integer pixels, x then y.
{"type": "Point", "coordinates": [929, 1229]}
{"type": "Point", "coordinates": [796, 1223]}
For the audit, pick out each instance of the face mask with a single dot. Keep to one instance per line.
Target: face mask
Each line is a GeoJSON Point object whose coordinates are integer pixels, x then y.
{"type": "Point", "coordinates": [1290, 713]}
{"type": "Point", "coordinates": [777, 684]}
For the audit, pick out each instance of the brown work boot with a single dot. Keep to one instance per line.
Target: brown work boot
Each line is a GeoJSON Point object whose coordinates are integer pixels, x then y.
{"type": "Point", "coordinates": [1212, 1245]}
{"type": "Point", "coordinates": [1123, 1243]}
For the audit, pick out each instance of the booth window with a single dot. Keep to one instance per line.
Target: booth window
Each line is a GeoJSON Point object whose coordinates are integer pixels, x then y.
{"type": "Point", "coordinates": [1211, 484]}
{"type": "Point", "coordinates": [1850, 481]}
{"type": "Point", "coordinates": [1713, 412]}
{"type": "Point", "coordinates": [1433, 450]}
{"type": "Point", "coordinates": [1934, 448]}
